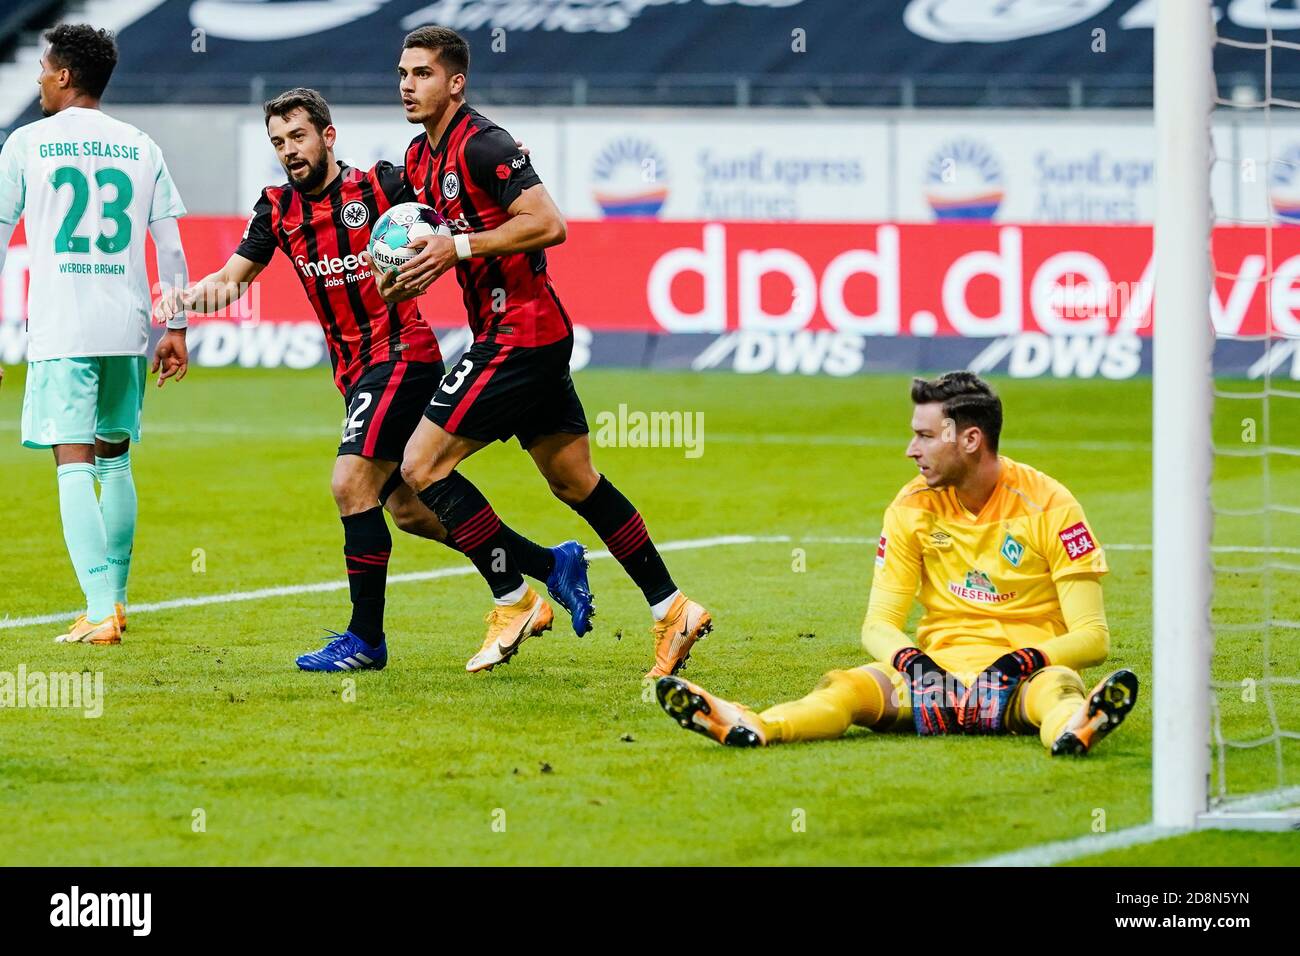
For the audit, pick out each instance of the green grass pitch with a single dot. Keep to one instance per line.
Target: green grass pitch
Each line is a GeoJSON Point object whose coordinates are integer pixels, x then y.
{"type": "Point", "coordinates": [562, 757]}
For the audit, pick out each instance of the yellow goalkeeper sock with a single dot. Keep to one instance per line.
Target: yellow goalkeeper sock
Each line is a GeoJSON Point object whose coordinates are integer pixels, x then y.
{"type": "Point", "coordinates": [1050, 698]}
{"type": "Point", "coordinates": [841, 698]}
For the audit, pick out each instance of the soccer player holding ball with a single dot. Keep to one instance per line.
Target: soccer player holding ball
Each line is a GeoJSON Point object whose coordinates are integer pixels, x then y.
{"type": "Point", "coordinates": [90, 187]}
{"type": "Point", "coordinates": [386, 364]}
{"type": "Point", "coordinates": [514, 380]}
{"type": "Point", "coordinates": [1008, 573]}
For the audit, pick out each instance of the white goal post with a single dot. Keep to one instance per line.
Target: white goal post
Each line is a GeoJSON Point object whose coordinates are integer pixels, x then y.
{"type": "Point", "coordinates": [1182, 404]}
{"type": "Point", "coordinates": [1183, 452]}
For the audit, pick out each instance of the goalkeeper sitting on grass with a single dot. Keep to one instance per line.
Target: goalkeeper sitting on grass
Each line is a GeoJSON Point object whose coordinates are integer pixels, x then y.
{"type": "Point", "coordinates": [1009, 575]}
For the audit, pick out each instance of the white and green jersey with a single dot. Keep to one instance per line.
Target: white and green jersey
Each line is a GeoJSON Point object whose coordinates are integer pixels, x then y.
{"type": "Point", "coordinates": [89, 186]}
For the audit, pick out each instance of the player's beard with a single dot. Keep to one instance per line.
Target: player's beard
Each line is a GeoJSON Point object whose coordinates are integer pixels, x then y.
{"type": "Point", "coordinates": [316, 173]}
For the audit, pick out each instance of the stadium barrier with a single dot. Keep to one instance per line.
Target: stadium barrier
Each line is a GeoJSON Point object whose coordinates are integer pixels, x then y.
{"type": "Point", "coordinates": [813, 298]}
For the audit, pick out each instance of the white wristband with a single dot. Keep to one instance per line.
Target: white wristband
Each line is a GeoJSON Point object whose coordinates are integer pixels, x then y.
{"type": "Point", "coordinates": [178, 321]}
{"type": "Point", "coordinates": [461, 241]}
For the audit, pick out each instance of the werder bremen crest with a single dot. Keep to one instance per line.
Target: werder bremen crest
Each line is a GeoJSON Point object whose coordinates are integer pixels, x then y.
{"type": "Point", "coordinates": [1012, 550]}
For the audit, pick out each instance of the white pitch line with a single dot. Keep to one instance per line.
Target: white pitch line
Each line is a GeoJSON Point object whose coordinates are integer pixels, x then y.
{"type": "Point", "coordinates": [234, 597]}
{"type": "Point", "coordinates": [1063, 851]}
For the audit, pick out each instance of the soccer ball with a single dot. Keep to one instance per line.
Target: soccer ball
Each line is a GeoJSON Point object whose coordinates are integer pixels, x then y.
{"type": "Point", "coordinates": [394, 229]}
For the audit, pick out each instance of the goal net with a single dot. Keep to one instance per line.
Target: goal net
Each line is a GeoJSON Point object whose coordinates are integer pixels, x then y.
{"type": "Point", "coordinates": [1226, 565]}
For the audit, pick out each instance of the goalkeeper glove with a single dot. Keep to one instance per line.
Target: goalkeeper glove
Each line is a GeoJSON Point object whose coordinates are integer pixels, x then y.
{"type": "Point", "coordinates": [935, 694]}
{"type": "Point", "coordinates": [984, 708]}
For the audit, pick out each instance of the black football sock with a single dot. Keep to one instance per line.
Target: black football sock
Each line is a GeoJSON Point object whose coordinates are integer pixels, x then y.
{"type": "Point", "coordinates": [530, 557]}
{"type": "Point", "coordinates": [366, 546]}
{"type": "Point", "coordinates": [620, 526]}
{"type": "Point", "coordinates": [475, 530]}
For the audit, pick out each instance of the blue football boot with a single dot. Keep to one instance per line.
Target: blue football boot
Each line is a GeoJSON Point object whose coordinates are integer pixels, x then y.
{"type": "Point", "coordinates": [568, 585]}
{"type": "Point", "coordinates": [346, 652]}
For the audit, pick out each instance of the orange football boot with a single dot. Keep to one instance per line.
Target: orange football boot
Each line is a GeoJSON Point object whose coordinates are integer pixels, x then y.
{"type": "Point", "coordinates": [509, 626]}
{"type": "Point", "coordinates": [85, 631]}
{"type": "Point", "coordinates": [1103, 711]}
{"type": "Point", "coordinates": [684, 624]}
{"type": "Point", "coordinates": [734, 725]}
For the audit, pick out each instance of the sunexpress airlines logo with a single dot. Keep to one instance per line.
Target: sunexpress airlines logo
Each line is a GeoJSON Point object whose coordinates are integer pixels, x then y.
{"type": "Point", "coordinates": [963, 182]}
{"type": "Point", "coordinates": [630, 179]}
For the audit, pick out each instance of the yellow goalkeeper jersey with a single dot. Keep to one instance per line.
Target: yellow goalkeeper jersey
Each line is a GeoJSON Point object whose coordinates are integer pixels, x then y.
{"type": "Point", "coordinates": [987, 578]}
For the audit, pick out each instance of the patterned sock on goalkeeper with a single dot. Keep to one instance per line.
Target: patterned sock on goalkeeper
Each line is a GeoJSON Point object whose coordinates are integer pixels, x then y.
{"type": "Point", "coordinates": [1049, 699]}
{"type": "Point", "coordinates": [366, 547]}
{"type": "Point", "coordinates": [475, 530]}
{"type": "Point", "coordinates": [620, 526]}
{"type": "Point", "coordinates": [117, 504]}
{"type": "Point", "coordinates": [83, 533]}
{"type": "Point", "coordinates": [841, 699]}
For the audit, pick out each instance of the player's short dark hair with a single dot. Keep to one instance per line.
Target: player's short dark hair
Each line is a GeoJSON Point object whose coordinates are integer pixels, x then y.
{"type": "Point", "coordinates": [88, 54]}
{"type": "Point", "coordinates": [299, 98]}
{"type": "Point", "coordinates": [967, 399]}
{"type": "Point", "coordinates": [450, 47]}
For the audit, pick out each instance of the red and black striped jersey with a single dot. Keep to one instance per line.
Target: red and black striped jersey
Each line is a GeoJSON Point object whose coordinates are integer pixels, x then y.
{"type": "Point", "coordinates": [325, 237]}
{"type": "Point", "coordinates": [471, 177]}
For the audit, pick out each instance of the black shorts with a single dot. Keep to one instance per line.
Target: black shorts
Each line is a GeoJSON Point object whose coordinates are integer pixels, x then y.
{"type": "Point", "coordinates": [498, 391]}
{"type": "Point", "coordinates": [383, 407]}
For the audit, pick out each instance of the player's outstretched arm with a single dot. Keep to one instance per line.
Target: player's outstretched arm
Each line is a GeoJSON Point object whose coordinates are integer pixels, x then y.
{"type": "Point", "coordinates": [211, 293]}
